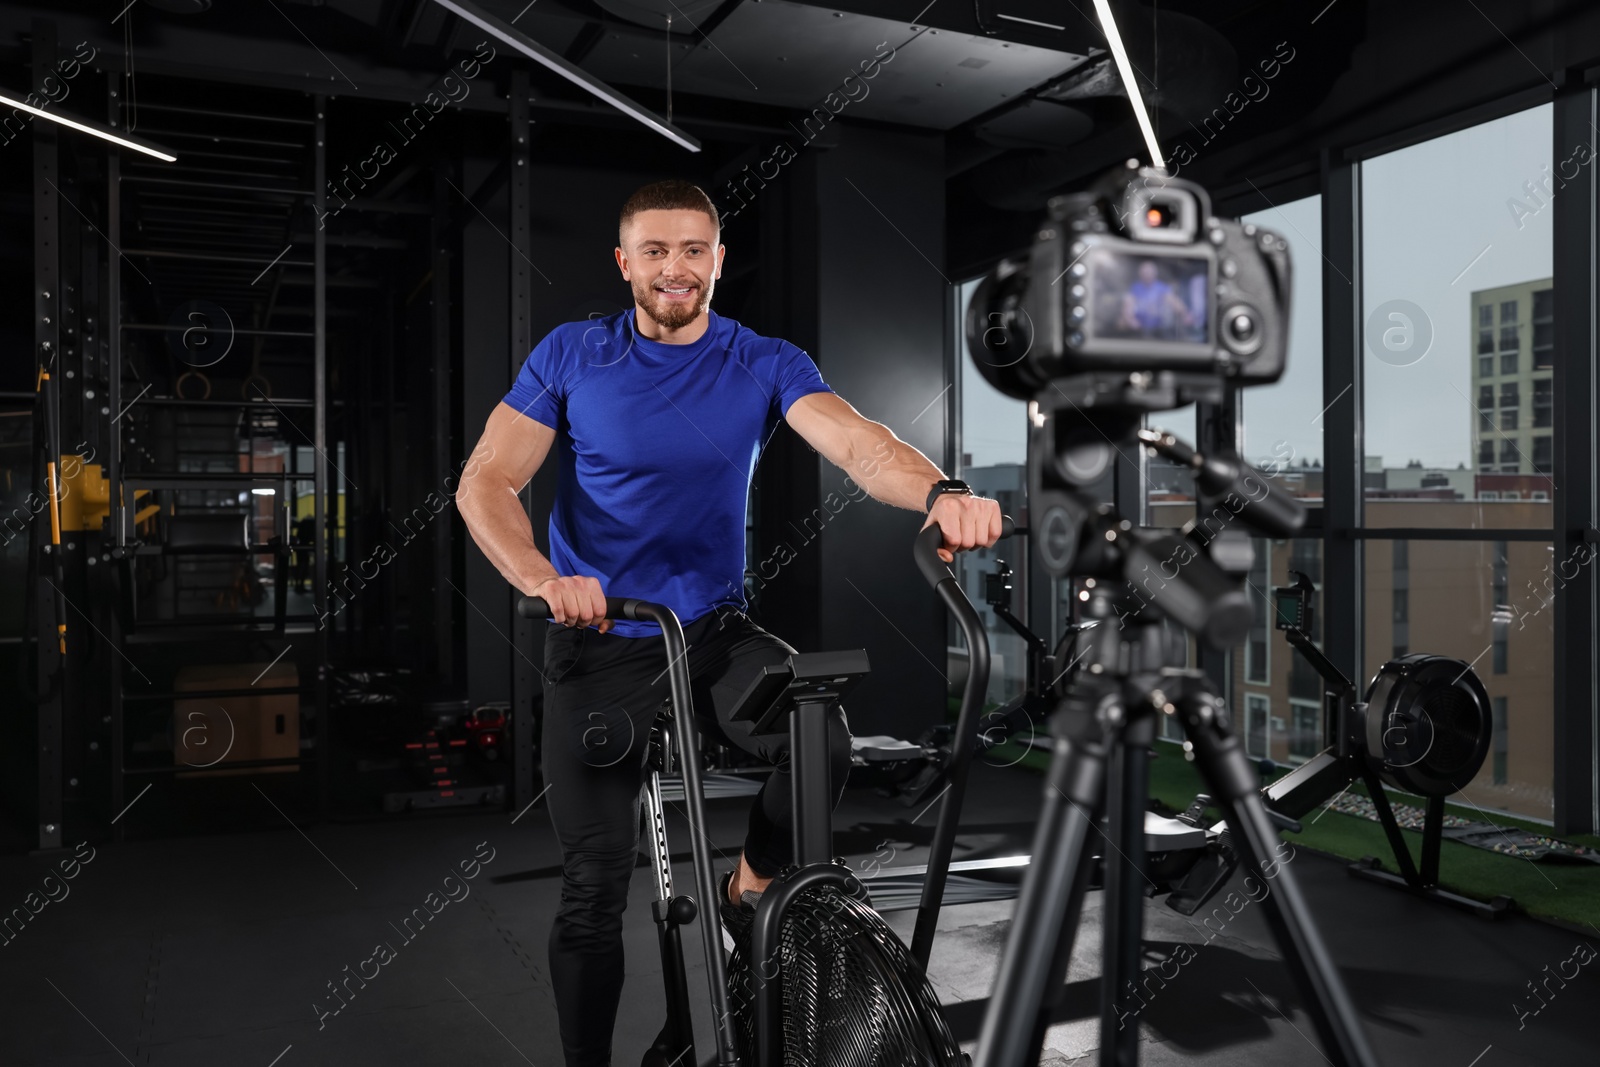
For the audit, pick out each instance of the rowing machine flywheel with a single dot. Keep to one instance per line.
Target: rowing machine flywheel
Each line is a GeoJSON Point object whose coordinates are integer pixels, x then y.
{"type": "Point", "coordinates": [1428, 724]}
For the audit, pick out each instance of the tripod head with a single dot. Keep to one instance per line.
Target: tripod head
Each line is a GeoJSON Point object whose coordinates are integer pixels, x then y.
{"type": "Point", "coordinates": [1194, 576]}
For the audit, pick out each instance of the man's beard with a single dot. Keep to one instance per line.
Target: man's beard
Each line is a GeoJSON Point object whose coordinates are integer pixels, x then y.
{"type": "Point", "coordinates": [670, 316]}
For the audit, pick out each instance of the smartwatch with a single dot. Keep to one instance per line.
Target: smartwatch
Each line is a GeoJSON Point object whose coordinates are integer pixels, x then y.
{"type": "Point", "coordinates": [948, 485]}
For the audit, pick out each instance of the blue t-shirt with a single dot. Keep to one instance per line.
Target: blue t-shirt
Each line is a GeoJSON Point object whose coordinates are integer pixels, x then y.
{"type": "Point", "coordinates": [1150, 309]}
{"type": "Point", "coordinates": [657, 444]}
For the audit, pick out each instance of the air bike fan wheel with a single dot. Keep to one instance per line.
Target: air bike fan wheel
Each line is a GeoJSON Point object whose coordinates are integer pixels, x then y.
{"type": "Point", "coordinates": [852, 996]}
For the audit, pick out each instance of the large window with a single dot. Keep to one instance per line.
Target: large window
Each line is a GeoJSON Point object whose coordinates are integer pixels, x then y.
{"type": "Point", "coordinates": [1450, 445]}
{"type": "Point", "coordinates": [1455, 306]}
{"type": "Point", "coordinates": [1486, 604]}
{"type": "Point", "coordinates": [1257, 726]}
{"type": "Point", "coordinates": [1266, 671]}
{"type": "Point", "coordinates": [1257, 660]}
{"type": "Point", "coordinates": [1169, 492]}
{"type": "Point", "coordinates": [1283, 422]}
{"type": "Point", "coordinates": [1305, 730]}
{"type": "Point", "coordinates": [992, 441]}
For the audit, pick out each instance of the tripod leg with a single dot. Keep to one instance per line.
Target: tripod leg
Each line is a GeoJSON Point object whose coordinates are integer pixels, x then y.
{"type": "Point", "coordinates": [1055, 984]}
{"type": "Point", "coordinates": [1127, 796]}
{"type": "Point", "coordinates": [1040, 941]}
{"type": "Point", "coordinates": [1234, 783]}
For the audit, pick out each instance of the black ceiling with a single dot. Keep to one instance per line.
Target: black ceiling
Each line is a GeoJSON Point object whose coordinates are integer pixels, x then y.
{"type": "Point", "coordinates": [1021, 90]}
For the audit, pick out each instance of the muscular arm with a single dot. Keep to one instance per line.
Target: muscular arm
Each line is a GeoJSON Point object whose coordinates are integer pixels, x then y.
{"type": "Point", "coordinates": [890, 470]}
{"type": "Point", "coordinates": [885, 466]}
{"type": "Point", "coordinates": [511, 449]}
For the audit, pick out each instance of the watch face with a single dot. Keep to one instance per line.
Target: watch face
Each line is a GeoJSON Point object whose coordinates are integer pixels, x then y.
{"type": "Point", "coordinates": [947, 486]}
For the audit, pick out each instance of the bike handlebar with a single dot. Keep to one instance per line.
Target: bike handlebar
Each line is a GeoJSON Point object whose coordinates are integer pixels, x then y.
{"type": "Point", "coordinates": [617, 607]}
{"type": "Point", "coordinates": [926, 550]}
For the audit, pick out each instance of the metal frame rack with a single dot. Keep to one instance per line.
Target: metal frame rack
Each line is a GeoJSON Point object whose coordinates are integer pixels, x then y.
{"type": "Point", "coordinates": [137, 242]}
{"type": "Point", "coordinates": [213, 228]}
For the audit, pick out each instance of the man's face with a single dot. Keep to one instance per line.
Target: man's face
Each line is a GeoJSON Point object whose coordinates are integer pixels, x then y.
{"type": "Point", "coordinates": [672, 261]}
{"type": "Point", "coordinates": [1147, 272]}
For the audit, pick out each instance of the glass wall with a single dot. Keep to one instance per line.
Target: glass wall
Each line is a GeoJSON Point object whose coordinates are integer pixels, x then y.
{"type": "Point", "coordinates": [1272, 685]}
{"type": "Point", "coordinates": [992, 446]}
{"type": "Point", "coordinates": [1459, 421]}
{"type": "Point", "coordinates": [1281, 432]}
{"type": "Point", "coordinates": [1457, 415]}
{"type": "Point", "coordinates": [1283, 422]}
{"type": "Point", "coordinates": [1458, 329]}
{"type": "Point", "coordinates": [1484, 603]}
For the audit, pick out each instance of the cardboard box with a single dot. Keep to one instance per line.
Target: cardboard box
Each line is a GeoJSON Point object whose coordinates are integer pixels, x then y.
{"type": "Point", "coordinates": [211, 732]}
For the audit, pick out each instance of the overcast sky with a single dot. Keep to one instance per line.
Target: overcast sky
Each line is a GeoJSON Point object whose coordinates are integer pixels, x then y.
{"type": "Point", "coordinates": [1429, 212]}
{"type": "Point", "coordinates": [1437, 227]}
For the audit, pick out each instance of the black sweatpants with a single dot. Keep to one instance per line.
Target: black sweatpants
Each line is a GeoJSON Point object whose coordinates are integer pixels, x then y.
{"type": "Point", "coordinates": [601, 695]}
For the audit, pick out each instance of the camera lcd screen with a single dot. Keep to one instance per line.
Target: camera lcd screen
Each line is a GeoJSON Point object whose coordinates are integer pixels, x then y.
{"type": "Point", "coordinates": [1150, 298]}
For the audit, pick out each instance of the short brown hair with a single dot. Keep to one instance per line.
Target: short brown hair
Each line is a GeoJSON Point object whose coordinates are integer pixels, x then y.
{"type": "Point", "coordinates": [670, 195]}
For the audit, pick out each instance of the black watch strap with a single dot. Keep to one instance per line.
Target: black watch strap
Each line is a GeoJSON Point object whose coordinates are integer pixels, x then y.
{"type": "Point", "coordinates": [949, 485]}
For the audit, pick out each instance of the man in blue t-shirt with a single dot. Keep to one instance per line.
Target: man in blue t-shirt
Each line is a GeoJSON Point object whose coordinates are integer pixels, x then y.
{"type": "Point", "coordinates": [1150, 306]}
{"type": "Point", "coordinates": [659, 414]}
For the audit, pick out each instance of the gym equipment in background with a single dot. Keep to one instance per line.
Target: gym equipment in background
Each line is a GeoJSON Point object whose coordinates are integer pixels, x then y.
{"type": "Point", "coordinates": [1423, 727]}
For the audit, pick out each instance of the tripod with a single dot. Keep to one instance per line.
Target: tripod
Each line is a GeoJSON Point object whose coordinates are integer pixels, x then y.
{"type": "Point", "coordinates": [1103, 728]}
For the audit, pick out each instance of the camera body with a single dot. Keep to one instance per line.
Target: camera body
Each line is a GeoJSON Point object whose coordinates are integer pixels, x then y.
{"type": "Point", "coordinates": [1135, 275]}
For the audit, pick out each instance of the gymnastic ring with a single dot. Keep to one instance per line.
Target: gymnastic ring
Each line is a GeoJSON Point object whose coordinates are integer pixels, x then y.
{"type": "Point", "coordinates": [185, 376]}
{"type": "Point", "coordinates": [266, 387]}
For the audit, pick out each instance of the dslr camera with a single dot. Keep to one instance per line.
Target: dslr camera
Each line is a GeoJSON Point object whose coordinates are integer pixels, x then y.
{"type": "Point", "coordinates": [1135, 284]}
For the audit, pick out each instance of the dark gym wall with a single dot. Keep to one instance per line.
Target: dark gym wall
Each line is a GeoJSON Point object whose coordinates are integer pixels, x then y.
{"type": "Point", "coordinates": [851, 246]}
{"type": "Point", "coordinates": [486, 355]}
{"type": "Point", "coordinates": [881, 346]}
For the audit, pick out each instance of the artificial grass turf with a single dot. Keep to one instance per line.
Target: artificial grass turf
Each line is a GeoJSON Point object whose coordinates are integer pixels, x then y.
{"type": "Point", "coordinates": [1567, 893]}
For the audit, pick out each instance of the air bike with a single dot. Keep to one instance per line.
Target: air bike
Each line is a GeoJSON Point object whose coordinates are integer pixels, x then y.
{"type": "Point", "coordinates": [822, 981]}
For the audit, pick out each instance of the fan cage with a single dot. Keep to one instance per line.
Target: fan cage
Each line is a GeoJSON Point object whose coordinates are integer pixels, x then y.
{"type": "Point", "coordinates": [852, 995]}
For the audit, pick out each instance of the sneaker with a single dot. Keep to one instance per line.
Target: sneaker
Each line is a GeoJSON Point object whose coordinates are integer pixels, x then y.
{"type": "Point", "coordinates": [738, 918]}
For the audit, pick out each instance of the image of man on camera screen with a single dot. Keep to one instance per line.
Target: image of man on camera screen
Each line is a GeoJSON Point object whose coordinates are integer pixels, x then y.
{"type": "Point", "coordinates": [1151, 306]}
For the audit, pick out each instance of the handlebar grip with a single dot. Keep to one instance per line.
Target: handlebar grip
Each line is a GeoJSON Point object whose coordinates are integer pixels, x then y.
{"type": "Point", "coordinates": [925, 550]}
{"type": "Point", "coordinates": [617, 607]}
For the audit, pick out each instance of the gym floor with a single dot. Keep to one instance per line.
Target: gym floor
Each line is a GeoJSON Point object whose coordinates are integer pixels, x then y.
{"type": "Point", "coordinates": [227, 949]}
